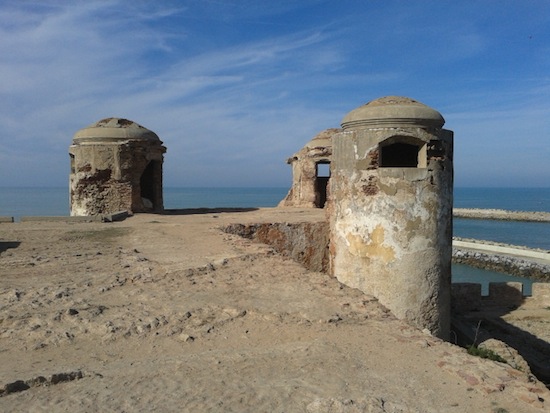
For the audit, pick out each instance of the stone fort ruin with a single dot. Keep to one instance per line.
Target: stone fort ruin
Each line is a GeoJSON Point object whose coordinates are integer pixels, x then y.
{"type": "Point", "coordinates": [389, 206]}
{"type": "Point", "coordinates": [311, 172]}
{"type": "Point", "coordinates": [385, 180]}
{"type": "Point", "coordinates": [116, 165]}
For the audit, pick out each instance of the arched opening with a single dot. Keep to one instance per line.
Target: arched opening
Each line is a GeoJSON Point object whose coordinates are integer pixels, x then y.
{"type": "Point", "coordinates": [149, 186]}
{"type": "Point", "coordinates": [402, 152]}
{"type": "Point", "coordinates": [322, 176]}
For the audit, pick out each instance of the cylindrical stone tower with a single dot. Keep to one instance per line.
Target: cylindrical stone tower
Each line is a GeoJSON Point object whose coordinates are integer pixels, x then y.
{"type": "Point", "coordinates": [116, 165]}
{"type": "Point", "coordinates": [390, 209]}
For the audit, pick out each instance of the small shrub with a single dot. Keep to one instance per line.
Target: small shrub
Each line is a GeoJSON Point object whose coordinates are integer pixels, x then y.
{"type": "Point", "coordinates": [484, 353]}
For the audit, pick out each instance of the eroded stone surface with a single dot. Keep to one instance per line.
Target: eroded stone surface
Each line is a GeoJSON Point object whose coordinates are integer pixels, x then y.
{"type": "Point", "coordinates": [390, 209]}
{"type": "Point", "coordinates": [309, 190]}
{"type": "Point", "coordinates": [116, 165]}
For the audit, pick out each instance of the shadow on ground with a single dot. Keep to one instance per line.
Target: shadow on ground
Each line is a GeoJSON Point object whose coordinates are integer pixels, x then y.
{"type": "Point", "coordinates": [6, 245]}
{"type": "Point", "coordinates": [196, 211]}
{"type": "Point", "coordinates": [487, 321]}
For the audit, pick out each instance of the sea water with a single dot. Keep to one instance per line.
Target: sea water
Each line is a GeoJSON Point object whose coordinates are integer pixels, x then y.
{"type": "Point", "coordinates": [54, 201]}
{"type": "Point", "coordinates": [530, 234]}
{"type": "Point", "coordinates": [19, 202]}
{"type": "Point", "coordinates": [176, 198]}
{"type": "Point", "coordinates": [512, 199]}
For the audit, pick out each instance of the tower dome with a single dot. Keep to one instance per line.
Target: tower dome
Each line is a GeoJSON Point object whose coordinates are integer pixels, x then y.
{"type": "Point", "coordinates": [112, 130]}
{"type": "Point", "coordinates": [393, 111]}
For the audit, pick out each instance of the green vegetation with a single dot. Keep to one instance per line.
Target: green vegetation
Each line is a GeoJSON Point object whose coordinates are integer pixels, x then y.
{"type": "Point", "coordinates": [484, 353]}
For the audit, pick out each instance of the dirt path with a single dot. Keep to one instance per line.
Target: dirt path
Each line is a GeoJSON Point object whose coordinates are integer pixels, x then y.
{"type": "Point", "coordinates": [168, 313]}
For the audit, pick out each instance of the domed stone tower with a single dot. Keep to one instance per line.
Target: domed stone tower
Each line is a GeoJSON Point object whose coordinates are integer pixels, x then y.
{"type": "Point", "coordinates": [311, 172]}
{"type": "Point", "coordinates": [116, 165]}
{"type": "Point", "coordinates": [390, 209]}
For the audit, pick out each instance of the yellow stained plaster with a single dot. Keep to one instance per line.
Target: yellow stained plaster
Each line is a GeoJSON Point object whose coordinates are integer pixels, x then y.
{"type": "Point", "coordinates": [373, 249]}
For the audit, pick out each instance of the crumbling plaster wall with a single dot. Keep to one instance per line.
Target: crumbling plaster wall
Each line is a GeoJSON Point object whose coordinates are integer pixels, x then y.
{"type": "Point", "coordinates": [391, 228]}
{"type": "Point", "coordinates": [303, 192]}
{"type": "Point", "coordinates": [105, 178]}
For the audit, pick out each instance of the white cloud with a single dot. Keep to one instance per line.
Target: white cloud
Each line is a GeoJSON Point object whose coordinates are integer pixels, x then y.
{"type": "Point", "coordinates": [233, 94]}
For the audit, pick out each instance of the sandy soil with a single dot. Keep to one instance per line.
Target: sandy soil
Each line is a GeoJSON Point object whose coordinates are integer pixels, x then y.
{"type": "Point", "coordinates": [168, 313]}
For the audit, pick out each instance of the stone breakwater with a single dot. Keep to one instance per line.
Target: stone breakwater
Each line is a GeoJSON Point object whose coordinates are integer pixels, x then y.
{"type": "Point", "coordinates": [501, 214]}
{"type": "Point", "coordinates": [510, 264]}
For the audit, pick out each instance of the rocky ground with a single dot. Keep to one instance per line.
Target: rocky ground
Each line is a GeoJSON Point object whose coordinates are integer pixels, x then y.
{"type": "Point", "coordinates": [169, 313]}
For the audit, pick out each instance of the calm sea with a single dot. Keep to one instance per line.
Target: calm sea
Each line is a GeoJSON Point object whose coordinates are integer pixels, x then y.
{"type": "Point", "coordinates": [534, 235]}
{"type": "Point", "coordinates": [19, 202]}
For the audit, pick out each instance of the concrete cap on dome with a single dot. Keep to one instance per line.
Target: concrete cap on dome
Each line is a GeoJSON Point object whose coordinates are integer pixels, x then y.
{"type": "Point", "coordinates": [114, 129]}
{"type": "Point", "coordinates": [392, 111]}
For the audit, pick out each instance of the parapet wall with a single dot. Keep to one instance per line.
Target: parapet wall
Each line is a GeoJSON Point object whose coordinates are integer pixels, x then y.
{"type": "Point", "coordinates": [308, 243]}
{"type": "Point", "coordinates": [467, 296]}
{"type": "Point", "coordinates": [305, 242]}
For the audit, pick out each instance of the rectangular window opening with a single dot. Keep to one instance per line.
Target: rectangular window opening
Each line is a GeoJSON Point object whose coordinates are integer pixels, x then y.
{"type": "Point", "coordinates": [323, 170]}
{"type": "Point", "coordinates": [402, 155]}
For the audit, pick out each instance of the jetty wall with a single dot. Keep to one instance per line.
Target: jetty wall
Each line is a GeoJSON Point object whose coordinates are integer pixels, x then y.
{"type": "Point", "coordinates": [467, 297]}
{"type": "Point", "coordinates": [521, 266]}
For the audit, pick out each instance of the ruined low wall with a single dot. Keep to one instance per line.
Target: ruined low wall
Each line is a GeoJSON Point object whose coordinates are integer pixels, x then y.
{"type": "Point", "coordinates": [305, 242]}
{"type": "Point", "coordinates": [467, 297]}
{"type": "Point", "coordinates": [308, 241]}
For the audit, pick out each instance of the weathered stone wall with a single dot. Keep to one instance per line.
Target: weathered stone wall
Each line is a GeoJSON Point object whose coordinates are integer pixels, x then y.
{"type": "Point", "coordinates": [116, 165]}
{"type": "Point", "coordinates": [304, 192]}
{"type": "Point", "coordinates": [306, 242]}
{"type": "Point", "coordinates": [106, 177]}
{"type": "Point", "coordinates": [96, 184]}
{"type": "Point", "coordinates": [391, 228]}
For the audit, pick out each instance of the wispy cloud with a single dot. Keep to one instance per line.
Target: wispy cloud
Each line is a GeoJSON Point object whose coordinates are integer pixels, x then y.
{"type": "Point", "coordinates": [233, 93]}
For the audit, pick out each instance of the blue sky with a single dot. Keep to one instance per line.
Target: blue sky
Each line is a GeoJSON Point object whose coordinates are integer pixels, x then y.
{"type": "Point", "coordinates": [234, 87]}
